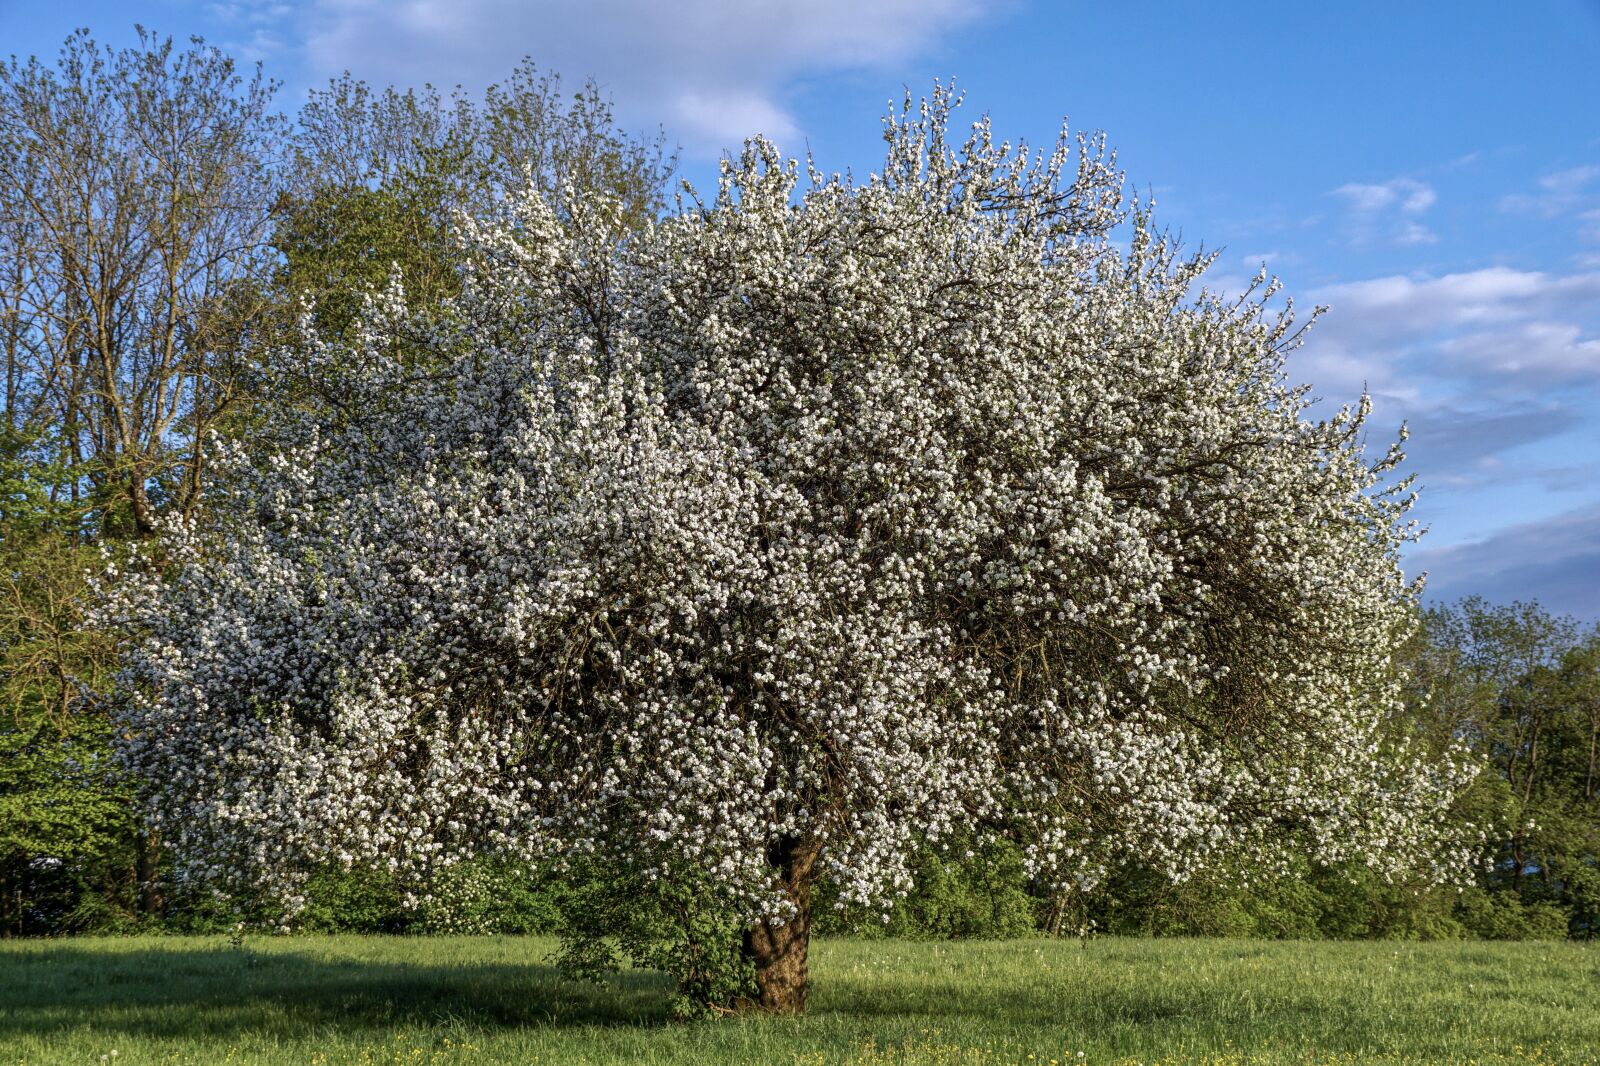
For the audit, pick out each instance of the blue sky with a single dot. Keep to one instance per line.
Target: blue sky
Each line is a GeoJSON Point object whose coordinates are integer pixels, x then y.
{"type": "Point", "coordinates": [1430, 171]}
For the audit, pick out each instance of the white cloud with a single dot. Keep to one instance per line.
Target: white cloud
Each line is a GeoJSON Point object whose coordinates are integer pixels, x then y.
{"type": "Point", "coordinates": [1412, 197]}
{"type": "Point", "coordinates": [1534, 352]}
{"type": "Point", "coordinates": [1555, 560]}
{"type": "Point", "coordinates": [1478, 362]}
{"type": "Point", "coordinates": [1390, 212]}
{"type": "Point", "coordinates": [711, 71]}
{"type": "Point", "coordinates": [1409, 232]}
{"type": "Point", "coordinates": [1559, 193]}
{"type": "Point", "coordinates": [1397, 309]}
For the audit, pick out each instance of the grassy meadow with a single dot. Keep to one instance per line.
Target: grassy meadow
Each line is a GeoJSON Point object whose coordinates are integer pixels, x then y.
{"type": "Point", "coordinates": [396, 1000]}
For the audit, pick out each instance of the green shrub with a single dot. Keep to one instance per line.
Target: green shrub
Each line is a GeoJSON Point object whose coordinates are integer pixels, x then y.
{"type": "Point", "coordinates": [360, 900]}
{"type": "Point", "coordinates": [493, 896]}
{"type": "Point", "coordinates": [969, 890]}
{"type": "Point", "coordinates": [1140, 902]}
{"type": "Point", "coordinates": [1335, 903]}
{"type": "Point", "coordinates": [1582, 885]}
{"type": "Point", "coordinates": [676, 924]}
{"type": "Point", "coordinates": [1505, 915]}
{"type": "Point", "coordinates": [479, 897]}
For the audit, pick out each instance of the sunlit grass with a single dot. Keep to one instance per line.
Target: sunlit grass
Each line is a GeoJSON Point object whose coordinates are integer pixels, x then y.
{"type": "Point", "coordinates": [1033, 1002]}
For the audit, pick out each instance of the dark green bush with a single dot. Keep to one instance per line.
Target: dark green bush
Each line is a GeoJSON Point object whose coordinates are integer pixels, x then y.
{"type": "Point", "coordinates": [1505, 915]}
{"type": "Point", "coordinates": [360, 900]}
{"type": "Point", "coordinates": [970, 890]}
{"type": "Point", "coordinates": [484, 896]}
{"type": "Point", "coordinates": [677, 924]}
{"type": "Point", "coordinates": [1310, 902]}
{"type": "Point", "coordinates": [493, 896]}
{"type": "Point", "coordinates": [1582, 883]}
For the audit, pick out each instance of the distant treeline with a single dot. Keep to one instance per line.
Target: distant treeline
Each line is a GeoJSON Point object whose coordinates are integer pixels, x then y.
{"type": "Point", "coordinates": [162, 229]}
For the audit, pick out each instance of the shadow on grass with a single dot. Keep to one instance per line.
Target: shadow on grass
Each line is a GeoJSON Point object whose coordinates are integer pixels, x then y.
{"type": "Point", "coordinates": [222, 992]}
{"type": "Point", "coordinates": [219, 993]}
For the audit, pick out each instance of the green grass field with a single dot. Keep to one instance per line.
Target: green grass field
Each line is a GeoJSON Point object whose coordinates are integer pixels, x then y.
{"type": "Point", "coordinates": [416, 1001]}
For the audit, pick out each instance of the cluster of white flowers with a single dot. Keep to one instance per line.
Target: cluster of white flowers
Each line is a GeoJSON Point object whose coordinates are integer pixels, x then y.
{"type": "Point", "coordinates": [822, 515]}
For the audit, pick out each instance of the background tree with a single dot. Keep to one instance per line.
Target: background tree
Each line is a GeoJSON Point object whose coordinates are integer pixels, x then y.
{"type": "Point", "coordinates": [777, 539]}
{"type": "Point", "coordinates": [1516, 684]}
{"type": "Point", "coordinates": [70, 856]}
{"type": "Point", "coordinates": [133, 193]}
{"type": "Point", "coordinates": [134, 188]}
{"type": "Point", "coordinates": [379, 178]}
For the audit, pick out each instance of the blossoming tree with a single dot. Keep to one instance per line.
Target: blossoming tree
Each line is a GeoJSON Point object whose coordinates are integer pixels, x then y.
{"type": "Point", "coordinates": [780, 539]}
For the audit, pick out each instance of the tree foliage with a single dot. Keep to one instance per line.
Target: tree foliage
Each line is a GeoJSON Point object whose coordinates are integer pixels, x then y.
{"type": "Point", "coordinates": [1521, 688]}
{"type": "Point", "coordinates": [379, 178]}
{"type": "Point", "coordinates": [68, 851]}
{"type": "Point", "coordinates": [134, 188]}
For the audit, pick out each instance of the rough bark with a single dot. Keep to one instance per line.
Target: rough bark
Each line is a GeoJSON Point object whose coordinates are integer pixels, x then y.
{"type": "Point", "coordinates": [780, 951]}
{"type": "Point", "coordinates": [147, 868]}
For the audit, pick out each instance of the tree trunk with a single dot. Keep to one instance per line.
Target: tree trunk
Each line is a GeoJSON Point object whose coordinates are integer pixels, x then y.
{"type": "Point", "coordinates": [1588, 779]}
{"type": "Point", "coordinates": [144, 515]}
{"type": "Point", "coordinates": [779, 952]}
{"type": "Point", "coordinates": [147, 869]}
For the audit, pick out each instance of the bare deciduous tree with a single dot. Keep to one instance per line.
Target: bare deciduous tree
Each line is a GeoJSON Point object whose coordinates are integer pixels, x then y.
{"type": "Point", "coordinates": [135, 195]}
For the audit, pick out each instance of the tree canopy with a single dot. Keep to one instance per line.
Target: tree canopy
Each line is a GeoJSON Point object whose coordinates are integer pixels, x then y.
{"type": "Point", "coordinates": [781, 535]}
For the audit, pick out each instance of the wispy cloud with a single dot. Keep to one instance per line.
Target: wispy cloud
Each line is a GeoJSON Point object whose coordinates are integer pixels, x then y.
{"type": "Point", "coordinates": [1560, 193]}
{"type": "Point", "coordinates": [1590, 225]}
{"type": "Point", "coordinates": [1464, 447]}
{"type": "Point", "coordinates": [1571, 195]}
{"type": "Point", "coordinates": [1389, 212]}
{"type": "Point", "coordinates": [1534, 353]}
{"type": "Point", "coordinates": [256, 29]}
{"type": "Point", "coordinates": [1409, 195]}
{"type": "Point", "coordinates": [1499, 324]}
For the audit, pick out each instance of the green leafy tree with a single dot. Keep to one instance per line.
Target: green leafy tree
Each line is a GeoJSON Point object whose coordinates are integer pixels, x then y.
{"type": "Point", "coordinates": [69, 852]}
{"type": "Point", "coordinates": [1519, 686]}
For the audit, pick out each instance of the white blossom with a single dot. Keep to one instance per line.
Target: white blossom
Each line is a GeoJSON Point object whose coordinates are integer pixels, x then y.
{"type": "Point", "coordinates": [822, 511]}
